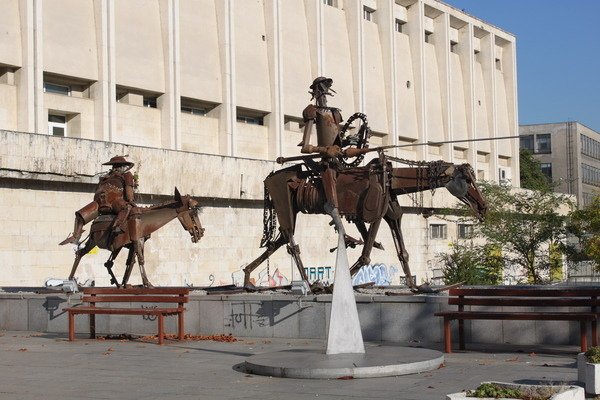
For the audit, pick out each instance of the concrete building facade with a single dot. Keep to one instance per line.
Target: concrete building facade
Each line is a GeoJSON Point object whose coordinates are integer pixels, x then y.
{"type": "Point", "coordinates": [569, 153]}
{"type": "Point", "coordinates": [221, 85]}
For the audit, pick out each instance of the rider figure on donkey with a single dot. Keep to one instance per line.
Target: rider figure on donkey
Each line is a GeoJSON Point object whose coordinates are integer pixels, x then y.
{"type": "Point", "coordinates": [329, 142]}
{"type": "Point", "coordinates": [114, 195]}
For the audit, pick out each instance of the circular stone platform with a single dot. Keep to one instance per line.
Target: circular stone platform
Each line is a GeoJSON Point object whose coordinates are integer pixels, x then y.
{"type": "Point", "coordinates": [378, 361]}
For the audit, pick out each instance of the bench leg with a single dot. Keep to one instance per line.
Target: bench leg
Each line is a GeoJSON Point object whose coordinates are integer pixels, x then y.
{"type": "Point", "coordinates": [594, 333]}
{"type": "Point", "coordinates": [161, 327]}
{"type": "Point", "coordinates": [71, 326]}
{"type": "Point", "coordinates": [461, 334]}
{"type": "Point", "coordinates": [92, 326]}
{"type": "Point", "coordinates": [583, 330]}
{"type": "Point", "coordinates": [447, 336]}
{"type": "Point", "coordinates": [180, 325]}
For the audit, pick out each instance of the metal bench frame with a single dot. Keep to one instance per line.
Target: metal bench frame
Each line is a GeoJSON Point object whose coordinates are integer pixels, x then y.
{"type": "Point", "coordinates": [522, 296]}
{"type": "Point", "coordinates": [96, 295]}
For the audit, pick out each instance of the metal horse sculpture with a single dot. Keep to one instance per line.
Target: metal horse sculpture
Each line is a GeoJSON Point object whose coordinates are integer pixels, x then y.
{"type": "Point", "coordinates": [152, 218]}
{"type": "Point", "coordinates": [367, 195]}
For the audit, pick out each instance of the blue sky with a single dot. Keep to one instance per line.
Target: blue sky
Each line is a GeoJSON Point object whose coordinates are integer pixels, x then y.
{"type": "Point", "coordinates": [558, 55]}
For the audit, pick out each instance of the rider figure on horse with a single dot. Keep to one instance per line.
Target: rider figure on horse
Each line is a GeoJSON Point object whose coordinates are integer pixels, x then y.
{"type": "Point", "coordinates": [114, 195]}
{"type": "Point", "coordinates": [329, 142]}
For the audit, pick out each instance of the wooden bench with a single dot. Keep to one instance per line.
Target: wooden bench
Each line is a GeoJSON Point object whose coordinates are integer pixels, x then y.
{"type": "Point", "coordinates": [550, 303]}
{"type": "Point", "coordinates": [94, 296]}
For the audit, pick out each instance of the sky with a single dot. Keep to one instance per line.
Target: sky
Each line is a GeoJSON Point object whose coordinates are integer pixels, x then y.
{"type": "Point", "coordinates": [558, 55]}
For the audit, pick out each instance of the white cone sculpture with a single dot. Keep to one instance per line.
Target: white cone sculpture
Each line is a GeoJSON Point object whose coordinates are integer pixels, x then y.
{"type": "Point", "coordinates": [344, 334]}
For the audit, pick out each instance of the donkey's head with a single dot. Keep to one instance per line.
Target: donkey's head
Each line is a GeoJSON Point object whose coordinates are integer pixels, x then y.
{"type": "Point", "coordinates": [187, 214]}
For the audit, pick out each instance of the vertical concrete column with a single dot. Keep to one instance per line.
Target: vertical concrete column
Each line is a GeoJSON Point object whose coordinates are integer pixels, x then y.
{"type": "Point", "coordinates": [227, 114]}
{"type": "Point", "coordinates": [509, 62]}
{"type": "Point", "coordinates": [103, 92]}
{"type": "Point", "coordinates": [416, 34]}
{"type": "Point", "coordinates": [314, 15]}
{"type": "Point", "coordinates": [354, 23]}
{"type": "Point", "coordinates": [488, 57]}
{"type": "Point", "coordinates": [30, 77]}
{"type": "Point", "coordinates": [275, 118]}
{"type": "Point", "coordinates": [442, 50]}
{"type": "Point", "coordinates": [170, 102]}
{"type": "Point", "coordinates": [386, 27]}
{"type": "Point", "coordinates": [467, 61]}
{"type": "Point", "coordinates": [25, 76]}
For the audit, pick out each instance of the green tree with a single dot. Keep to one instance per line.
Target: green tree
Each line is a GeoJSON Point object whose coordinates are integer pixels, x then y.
{"type": "Point", "coordinates": [525, 225]}
{"type": "Point", "coordinates": [530, 172]}
{"type": "Point", "coordinates": [471, 264]}
{"type": "Point", "coordinates": [584, 224]}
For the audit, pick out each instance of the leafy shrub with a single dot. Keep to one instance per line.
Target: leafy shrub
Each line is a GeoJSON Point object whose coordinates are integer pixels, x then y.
{"type": "Point", "coordinates": [496, 392]}
{"type": "Point", "coordinates": [593, 355]}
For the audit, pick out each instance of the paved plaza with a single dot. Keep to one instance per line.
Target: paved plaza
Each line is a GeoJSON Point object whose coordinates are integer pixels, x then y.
{"type": "Point", "coordinates": [47, 366]}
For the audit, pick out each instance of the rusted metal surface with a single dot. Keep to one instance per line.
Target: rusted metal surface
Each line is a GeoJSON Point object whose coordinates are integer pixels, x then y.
{"type": "Point", "coordinates": [364, 195]}
{"type": "Point", "coordinates": [119, 223]}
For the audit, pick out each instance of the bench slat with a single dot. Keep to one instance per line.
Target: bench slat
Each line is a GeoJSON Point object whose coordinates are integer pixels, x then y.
{"type": "Point", "coordinates": [524, 302]}
{"type": "Point", "coordinates": [532, 291]}
{"type": "Point", "coordinates": [134, 299]}
{"type": "Point", "coordinates": [549, 316]}
{"type": "Point", "coordinates": [124, 311]}
{"type": "Point", "coordinates": [138, 291]}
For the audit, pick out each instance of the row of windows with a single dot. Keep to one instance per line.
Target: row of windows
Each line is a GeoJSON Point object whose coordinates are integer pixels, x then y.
{"type": "Point", "coordinates": [440, 231]}
{"type": "Point", "coordinates": [590, 147]}
{"type": "Point", "coordinates": [590, 175]}
{"type": "Point", "coordinates": [537, 144]}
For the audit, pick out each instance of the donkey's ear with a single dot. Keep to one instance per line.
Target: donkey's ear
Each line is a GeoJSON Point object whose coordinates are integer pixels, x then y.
{"type": "Point", "coordinates": [177, 194]}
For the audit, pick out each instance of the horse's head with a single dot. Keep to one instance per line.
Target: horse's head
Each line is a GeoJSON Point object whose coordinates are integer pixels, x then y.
{"type": "Point", "coordinates": [463, 187]}
{"type": "Point", "coordinates": [187, 214]}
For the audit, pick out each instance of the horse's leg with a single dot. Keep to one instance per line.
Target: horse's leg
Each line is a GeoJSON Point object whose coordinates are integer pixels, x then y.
{"type": "Point", "coordinates": [109, 264]}
{"type": "Point", "coordinates": [89, 245]}
{"type": "Point", "coordinates": [271, 248]}
{"type": "Point", "coordinates": [365, 256]}
{"type": "Point", "coordinates": [294, 251]}
{"type": "Point", "coordinates": [394, 218]}
{"type": "Point", "coordinates": [360, 224]}
{"type": "Point", "coordinates": [130, 263]}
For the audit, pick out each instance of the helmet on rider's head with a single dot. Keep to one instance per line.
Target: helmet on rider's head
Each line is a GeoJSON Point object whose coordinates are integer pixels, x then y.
{"type": "Point", "coordinates": [119, 161]}
{"type": "Point", "coordinates": [321, 86]}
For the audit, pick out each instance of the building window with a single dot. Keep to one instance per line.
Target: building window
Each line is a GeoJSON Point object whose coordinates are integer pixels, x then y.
{"type": "Point", "coordinates": [57, 89]}
{"type": "Point", "coordinates": [399, 25]}
{"type": "Point", "coordinates": [526, 142]}
{"type": "Point", "coordinates": [590, 175]}
{"type": "Point", "coordinates": [330, 3]}
{"type": "Point", "coordinates": [150, 101]}
{"type": "Point", "coordinates": [590, 147]}
{"type": "Point", "coordinates": [544, 143]}
{"type": "Point", "coordinates": [438, 231]}
{"type": "Point", "coordinates": [547, 170]}
{"type": "Point", "coordinates": [465, 231]}
{"type": "Point", "coordinates": [57, 125]}
{"type": "Point", "coordinates": [453, 47]}
{"type": "Point", "coordinates": [428, 36]}
{"type": "Point", "coordinates": [368, 14]}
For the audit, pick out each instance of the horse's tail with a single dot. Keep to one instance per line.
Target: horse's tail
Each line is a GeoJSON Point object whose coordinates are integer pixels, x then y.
{"type": "Point", "coordinates": [269, 220]}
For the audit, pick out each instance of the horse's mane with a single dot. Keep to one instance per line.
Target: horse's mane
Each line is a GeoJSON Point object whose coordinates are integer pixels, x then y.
{"type": "Point", "coordinates": [165, 204]}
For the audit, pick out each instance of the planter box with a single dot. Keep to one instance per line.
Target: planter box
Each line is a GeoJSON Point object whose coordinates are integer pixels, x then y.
{"type": "Point", "coordinates": [588, 374]}
{"type": "Point", "coordinates": [566, 392]}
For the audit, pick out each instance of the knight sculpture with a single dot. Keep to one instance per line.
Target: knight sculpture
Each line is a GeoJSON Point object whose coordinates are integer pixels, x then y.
{"type": "Point", "coordinates": [114, 195]}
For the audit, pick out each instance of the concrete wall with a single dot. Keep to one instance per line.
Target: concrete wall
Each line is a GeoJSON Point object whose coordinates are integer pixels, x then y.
{"type": "Point", "coordinates": [262, 55]}
{"type": "Point", "coordinates": [383, 319]}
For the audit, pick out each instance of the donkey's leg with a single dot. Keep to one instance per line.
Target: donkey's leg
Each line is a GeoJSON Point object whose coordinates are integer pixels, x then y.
{"type": "Point", "coordinates": [138, 246]}
{"type": "Point", "coordinates": [89, 245]}
{"type": "Point", "coordinates": [294, 251]}
{"type": "Point", "coordinates": [109, 264]}
{"type": "Point", "coordinates": [129, 265]}
{"type": "Point", "coordinates": [394, 218]}
{"type": "Point", "coordinates": [271, 248]}
{"type": "Point", "coordinates": [365, 256]}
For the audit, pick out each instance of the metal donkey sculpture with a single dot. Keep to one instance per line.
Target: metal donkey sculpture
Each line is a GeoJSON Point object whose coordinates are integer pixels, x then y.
{"type": "Point", "coordinates": [367, 195]}
{"type": "Point", "coordinates": [151, 218]}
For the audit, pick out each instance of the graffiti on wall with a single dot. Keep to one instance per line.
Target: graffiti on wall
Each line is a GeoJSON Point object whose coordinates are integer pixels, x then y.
{"type": "Point", "coordinates": [323, 274]}
{"type": "Point", "coordinates": [246, 315]}
{"type": "Point", "coordinates": [380, 274]}
{"type": "Point", "coordinates": [265, 278]}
